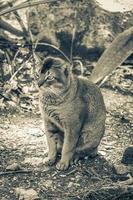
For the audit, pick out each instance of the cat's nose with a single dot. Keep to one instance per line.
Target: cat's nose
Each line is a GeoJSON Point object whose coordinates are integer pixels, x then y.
{"type": "Point", "coordinates": [41, 82]}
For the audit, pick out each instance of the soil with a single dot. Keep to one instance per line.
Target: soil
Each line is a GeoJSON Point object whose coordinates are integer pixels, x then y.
{"type": "Point", "coordinates": [23, 148]}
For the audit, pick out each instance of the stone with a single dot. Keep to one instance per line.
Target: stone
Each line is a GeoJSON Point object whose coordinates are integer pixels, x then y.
{"type": "Point", "coordinates": [26, 194]}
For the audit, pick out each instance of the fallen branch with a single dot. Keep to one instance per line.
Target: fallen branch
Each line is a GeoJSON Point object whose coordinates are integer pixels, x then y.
{"type": "Point", "coordinates": [15, 172]}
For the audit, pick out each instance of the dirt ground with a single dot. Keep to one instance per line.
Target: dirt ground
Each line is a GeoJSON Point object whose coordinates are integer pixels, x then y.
{"type": "Point", "coordinates": [23, 148]}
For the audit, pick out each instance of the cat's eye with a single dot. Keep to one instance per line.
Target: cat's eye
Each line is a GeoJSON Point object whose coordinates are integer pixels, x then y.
{"type": "Point", "coordinates": [50, 78]}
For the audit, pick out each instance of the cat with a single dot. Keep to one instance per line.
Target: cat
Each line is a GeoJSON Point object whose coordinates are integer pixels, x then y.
{"type": "Point", "coordinates": [73, 112]}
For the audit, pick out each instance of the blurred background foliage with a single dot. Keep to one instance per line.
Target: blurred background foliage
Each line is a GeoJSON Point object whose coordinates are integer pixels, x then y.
{"type": "Point", "coordinates": [82, 30]}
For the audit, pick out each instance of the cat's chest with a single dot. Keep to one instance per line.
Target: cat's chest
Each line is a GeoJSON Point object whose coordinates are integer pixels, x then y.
{"type": "Point", "coordinates": [50, 111]}
{"type": "Point", "coordinates": [53, 113]}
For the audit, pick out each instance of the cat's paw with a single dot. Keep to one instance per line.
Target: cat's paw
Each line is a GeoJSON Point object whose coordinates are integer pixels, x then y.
{"type": "Point", "coordinates": [49, 161]}
{"type": "Point", "coordinates": [62, 165]}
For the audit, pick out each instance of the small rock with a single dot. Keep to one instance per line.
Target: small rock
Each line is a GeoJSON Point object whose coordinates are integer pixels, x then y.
{"type": "Point", "coordinates": [25, 89]}
{"type": "Point", "coordinates": [121, 169]}
{"type": "Point", "coordinates": [48, 184]}
{"type": "Point", "coordinates": [26, 194]}
{"type": "Point", "coordinates": [13, 167]}
{"type": "Point", "coordinates": [70, 184]}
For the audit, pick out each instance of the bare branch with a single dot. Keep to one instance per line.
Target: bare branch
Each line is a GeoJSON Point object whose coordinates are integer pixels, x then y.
{"type": "Point", "coordinates": [25, 5]}
{"type": "Point", "coordinates": [7, 27]}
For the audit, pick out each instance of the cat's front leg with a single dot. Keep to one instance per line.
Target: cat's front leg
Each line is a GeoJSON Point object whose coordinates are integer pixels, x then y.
{"type": "Point", "coordinates": [50, 130]}
{"type": "Point", "coordinates": [71, 136]}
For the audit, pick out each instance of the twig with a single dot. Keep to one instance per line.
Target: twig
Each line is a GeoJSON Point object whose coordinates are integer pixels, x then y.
{"type": "Point", "coordinates": [73, 36]}
{"type": "Point", "coordinates": [56, 48]}
{"type": "Point", "coordinates": [9, 61]}
{"type": "Point", "coordinates": [7, 98]}
{"type": "Point", "coordinates": [104, 80]}
{"type": "Point", "coordinates": [68, 173]}
{"type": "Point", "coordinates": [72, 43]}
{"type": "Point", "coordinates": [15, 172]}
{"type": "Point", "coordinates": [14, 58]}
{"type": "Point", "coordinates": [94, 172]}
{"type": "Point", "coordinates": [19, 69]}
{"type": "Point", "coordinates": [33, 48]}
{"type": "Point", "coordinates": [59, 194]}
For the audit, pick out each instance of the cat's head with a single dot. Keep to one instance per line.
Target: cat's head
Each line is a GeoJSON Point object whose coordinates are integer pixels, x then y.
{"type": "Point", "coordinates": [54, 74]}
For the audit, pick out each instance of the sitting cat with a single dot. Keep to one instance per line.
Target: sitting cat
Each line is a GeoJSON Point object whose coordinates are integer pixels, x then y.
{"type": "Point", "coordinates": [73, 111]}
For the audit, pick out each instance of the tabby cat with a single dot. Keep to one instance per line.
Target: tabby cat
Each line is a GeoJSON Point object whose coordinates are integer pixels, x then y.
{"type": "Point", "coordinates": [73, 112]}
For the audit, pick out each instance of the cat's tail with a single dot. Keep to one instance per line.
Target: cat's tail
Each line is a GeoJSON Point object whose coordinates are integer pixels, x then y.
{"type": "Point", "coordinates": [113, 56]}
